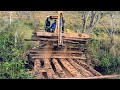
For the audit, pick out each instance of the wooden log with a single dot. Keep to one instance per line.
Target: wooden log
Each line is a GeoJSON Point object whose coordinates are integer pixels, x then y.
{"type": "Point", "coordinates": [59, 69]}
{"type": "Point", "coordinates": [69, 48]}
{"type": "Point", "coordinates": [55, 51]}
{"type": "Point", "coordinates": [50, 73]}
{"type": "Point", "coordinates": [73, 40]}
{"type": "Point", "coordinates": [65, 54]}
{"type": "Point", "coordinates": [76, 35]}
{"type": "Point", "coordinates": [47, 64]}
{"type": "Point", "coordinates": [71, 69]}
{"type": "Point", "coordinates": [88, 67]}
{"type": "Point", "coordinates": [72, 57]}
{"type": "Point", "coordinates": [40, 39]}
{"type": "Point", "coordinates": [37, 71]}
{"type": "Point", "coordinates": [80, 69]}
{"type": "Point", "coordinates": [58, 54]}
{"type": "Point", "coordinates": [65, 35]}
{"type": "Point", "coordinates": [47, 34]}
{"type": "Point", "coordinates": [97, 77]}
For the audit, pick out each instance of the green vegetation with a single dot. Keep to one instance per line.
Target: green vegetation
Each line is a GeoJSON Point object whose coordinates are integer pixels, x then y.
{"type": "Point", "coordinates": [101, 56]}
{"type": "Point", "coordinates": [12, 47]}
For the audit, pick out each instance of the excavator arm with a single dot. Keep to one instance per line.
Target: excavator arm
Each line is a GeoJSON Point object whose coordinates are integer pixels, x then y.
{"type": "Point", "coordinates": [60, 25]}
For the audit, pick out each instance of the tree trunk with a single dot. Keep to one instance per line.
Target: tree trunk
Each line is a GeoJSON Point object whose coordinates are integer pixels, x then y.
{"type": "Point", "coordinates": [85, 18]}
{"type": "Point", "coordinates": [111, 43]}
{"type": "Point", "coordinates": [91, 21]}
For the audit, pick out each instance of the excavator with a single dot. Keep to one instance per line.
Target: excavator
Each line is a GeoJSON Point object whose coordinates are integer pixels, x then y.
{"type": "Point", "coordinates": [59, 27]}
{"type": "Point", "coordinates": [58, 34]}
{"type": "Point", "coordinates": [61, 55]}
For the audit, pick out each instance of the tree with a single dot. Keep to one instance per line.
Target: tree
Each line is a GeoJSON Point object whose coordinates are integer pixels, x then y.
{"type": "Point", "coordinates": [26, 14]}
{"type": "Point", "coordinates": [90, 19]}
{"type": "Point", "coordinates": [112, 30]}
{"type": "Point", "coordinates": [85, 15]}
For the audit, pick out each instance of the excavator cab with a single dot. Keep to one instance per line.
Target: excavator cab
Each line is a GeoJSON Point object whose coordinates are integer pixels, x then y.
{"type": "Point", "coordinates": [59, 23]}
{"type": "Point", "coordinates": [59, 26]}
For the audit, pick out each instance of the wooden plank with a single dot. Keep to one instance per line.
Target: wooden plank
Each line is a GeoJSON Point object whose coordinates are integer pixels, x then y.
{"type": "Point", "coordinates": [76, 35]}
{"type": "Point", "coordinates": [70, 48]}
{"type": "Point", "coordinates": [47, 64]}
{"type": "Point", "coordinates": [37, 71]}
{"type": "Point", "coordinates": [88, 67]}
{"type": "Point", "coordinates": [72, 57]}
{"type": "Point", "coordinates": [65, 35]}
{"type": "Point", "coordinates": [50, 73]}
{"type": "Point", "coordinates": [59, 69]}
{"type": "Point", "coordinates": [36, 64]}
{"type": "Point", "coordinates": [74, 39]}
{"type": "Point", "coordinates": [55, 40]}
{"type": "Point", "coordinates": [70, 68]}
{"type": "Point", "coordinates": [40, 39]}
{"type": "Point", "coordinates": [47, 34]}
{"type": "Point", "coordinates": [55, 51]}
{"type": "Point", "coordinates": [80, 69]}
{"type": "Point", "coordinates": [72, 42]}
{"type": "Point", "coordinates": [97, 77]}
{"type": "Point", "coordinates": [58, 55]}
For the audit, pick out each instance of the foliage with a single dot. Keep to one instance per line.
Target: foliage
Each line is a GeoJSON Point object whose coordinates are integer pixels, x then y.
{"type": "Point", "coordinates": [13, 46]}
{"type": "Point", "coordinates": [14, 69]}
{"type": "Point", "coordinates": [102, 55]}
{"type": "Point", "coordinates": [13, 64]}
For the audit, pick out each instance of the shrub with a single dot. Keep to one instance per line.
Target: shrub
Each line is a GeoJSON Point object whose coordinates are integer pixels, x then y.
{"type": "Point", "coordinates": [13, 65]}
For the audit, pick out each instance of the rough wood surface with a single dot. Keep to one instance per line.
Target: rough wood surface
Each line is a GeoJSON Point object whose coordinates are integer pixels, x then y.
{"type": "Point", "coordinates": [88, 67]}
{"type": "Point", "coordinates": [81, 70]}
{"type": "Point", "coordinates": [50, 73]}
{"type": "Point", "coordinates": [59, 69]}
{"type": "Point", "coordinates": [65, 35]}
{"type": "Point", "coordinates": [70, 68]}
{"type": "Point", "coordinates": [55, 51]}
{"type": "Point", "coordinates": [37, 71]}
{"type": "Point", "coordinates": [97, 77]}
{"type": "Point", "coordinates": [65, 40]}
{"type": "Point", "coordinates": [72, 57]}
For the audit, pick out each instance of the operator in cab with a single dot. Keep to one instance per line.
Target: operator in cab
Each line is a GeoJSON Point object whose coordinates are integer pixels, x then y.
{"type": "Point", "coordinates": [47, 24]}
{"type": "Point", "coordinates": [53, 26]}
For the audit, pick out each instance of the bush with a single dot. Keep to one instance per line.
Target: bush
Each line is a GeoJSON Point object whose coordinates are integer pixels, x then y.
{"type": "Point", "coordinates": [13, 64]}
{"type": "Point", "coordinates": [14, 69]}
{"type": "Point", "coordinates": [105, 59]}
